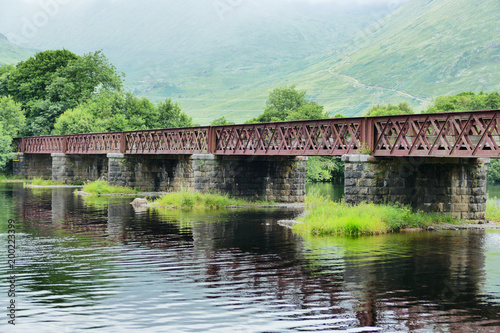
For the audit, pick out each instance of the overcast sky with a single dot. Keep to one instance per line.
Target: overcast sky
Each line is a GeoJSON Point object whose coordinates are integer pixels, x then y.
{"type": "Point", "coordinates": [25, 21]}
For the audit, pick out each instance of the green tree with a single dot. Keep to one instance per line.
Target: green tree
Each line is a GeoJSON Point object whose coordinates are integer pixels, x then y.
{"type": "Point", "coordinates": [465, 101]}
{"type": "Point", "coordinates": [288, 103]}
{"type": "Point", "coordinates": [324, 169]}
{"type": "Point", "coordinates": [170, 115]}
{"type": "Point", "coordinates": [29, 80]}
{"type": "Point", "coordinates": [221, 121]}
{"type": "Point", "coordinates": [389, 110]}
{"type": "Point", "coordinates": [80, 78]}
{"type": "Point", "coordinates": [116, 112]}
{"type": "Point", "coordinates": [494, 171]}
{"type": "Point", "coordinates": [5, 71]}
{"type": "Point", "coordinates": [11, 116]}
{"type": "Point", "coordinates": [11, 120]}
{"type": "Point", "coordinates": [51, 82]}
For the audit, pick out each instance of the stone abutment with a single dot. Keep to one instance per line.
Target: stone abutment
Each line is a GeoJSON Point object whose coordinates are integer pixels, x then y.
{"type": "Point", "coordinates": [455, 186]}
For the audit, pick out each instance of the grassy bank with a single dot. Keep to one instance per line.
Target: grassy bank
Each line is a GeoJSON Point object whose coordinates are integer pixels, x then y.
{"type": "Point", "coordinates": [188, 200]}
{"type": "Point", "coordinates": [325, 217]}
{"type": "Point", "coordinates": [11, 178]}
{"type": "Point", "coordinates": [493, 210]}
{"type": "Point", "coordinates": [44, 182]}
{"type": "Point", "coordinates": [99, 187]}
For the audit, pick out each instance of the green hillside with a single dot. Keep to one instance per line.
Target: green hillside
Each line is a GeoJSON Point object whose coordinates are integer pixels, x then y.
{"type": "Point", "coordinates": [10, 53]}
{"type": "Point", "coordinates": [431, 48]}
{"type": "Point", "coordinates": [422, 50]}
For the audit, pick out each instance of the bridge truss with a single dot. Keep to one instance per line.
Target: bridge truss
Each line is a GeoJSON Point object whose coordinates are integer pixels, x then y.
{"type": "Point", "coordinates": [457, 134]}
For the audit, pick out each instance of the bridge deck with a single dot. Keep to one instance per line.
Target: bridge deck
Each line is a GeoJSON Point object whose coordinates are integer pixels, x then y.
{"type": "Point", "coordinates": [457, 134]}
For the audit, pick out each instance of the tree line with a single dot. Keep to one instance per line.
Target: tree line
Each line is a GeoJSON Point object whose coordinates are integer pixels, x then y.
{"type": "Point", "coordinates": [59, 92]}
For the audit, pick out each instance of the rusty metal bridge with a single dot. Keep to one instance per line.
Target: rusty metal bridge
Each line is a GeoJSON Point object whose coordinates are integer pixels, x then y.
{"type": "Point", "coordinates": [457, 134]}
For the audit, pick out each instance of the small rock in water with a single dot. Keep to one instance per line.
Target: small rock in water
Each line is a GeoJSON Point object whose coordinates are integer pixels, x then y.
{"type": "Point", "coordinates": [139, 202]}
{"type": "Point", "coordinates": [287, 223]}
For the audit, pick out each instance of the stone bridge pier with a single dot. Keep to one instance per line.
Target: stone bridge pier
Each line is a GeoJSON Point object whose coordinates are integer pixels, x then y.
{"type": "Point", "coordinates": [455, 186]}
{"type": "Point", "coordinates": [277, 178]}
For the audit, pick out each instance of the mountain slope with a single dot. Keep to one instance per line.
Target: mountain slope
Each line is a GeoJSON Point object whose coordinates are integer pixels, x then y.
{"type": "Point", "coordinates": [431, 47]}
{"type": "Point", "coordinates": [424, 49]}
{"type": "Point", "coordinates": [10, 53]}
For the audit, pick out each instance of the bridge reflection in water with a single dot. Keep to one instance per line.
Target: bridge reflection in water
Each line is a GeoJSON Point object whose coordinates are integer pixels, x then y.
{"type": "Point", "coordinates": [240, 270]}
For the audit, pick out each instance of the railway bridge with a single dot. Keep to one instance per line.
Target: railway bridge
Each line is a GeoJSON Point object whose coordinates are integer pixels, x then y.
{"type": "Point", "coordinates": [434, 162]}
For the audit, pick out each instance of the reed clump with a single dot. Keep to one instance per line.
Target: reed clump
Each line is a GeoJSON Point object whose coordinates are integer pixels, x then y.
{"type": "Point", "coordinates": [99, 187]}
{"type": "Point", "coordinates": [325, 217]}
{"type": "Point", "coordinates": [189, 200]}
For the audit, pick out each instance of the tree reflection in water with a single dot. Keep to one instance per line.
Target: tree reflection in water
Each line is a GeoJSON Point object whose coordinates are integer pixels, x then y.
{"type": "Point", "coordinates": [416, 282]}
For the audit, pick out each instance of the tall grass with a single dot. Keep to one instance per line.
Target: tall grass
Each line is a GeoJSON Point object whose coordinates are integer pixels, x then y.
{"type": "Point", "coordinates": [188, 200]}
{"type": "Point", "coordinates": [99, 187]}
{"type": "Point", "coordinates": [492, 210]}
{"type": "Point", "coordinates": [6, 178]}
{"type": "Point", "coordinates": [44, 182]}
{"type": "Point", "coordinates": [325, 217]}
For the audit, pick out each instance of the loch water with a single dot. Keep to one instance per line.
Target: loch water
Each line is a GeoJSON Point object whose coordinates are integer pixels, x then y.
{"type": "Point", "coordinates": [97, 265]}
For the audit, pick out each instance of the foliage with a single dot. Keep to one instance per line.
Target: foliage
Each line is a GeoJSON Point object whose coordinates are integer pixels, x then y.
{"type": "Point", "coordinates": [11, 117]}
{"type": "Point", "coordinates": [99, 187]}
{"type": "Point", "coordinates": [116, 111]}
{"type": "Point", "coordinates": [5, 72]}
{"type": "Point", "coordinates": [82, 77]}
{"type": "Point", "coordinates": [11, 178]}
{"type": "Point", "coordinates": [389, 109]}
{"type": "Point", "coordinates": [221, 121]}
{"type": "Point", "coordinates": [326, 217]}
{"type": "Point", "coordinates": [188, 200]}
{"type": "Point", "coordinates": [494, 171]}
{"type": "Point", "coordinates": [465, 101]}
{"type": "Point", "coordinates": [324, 168]}
{"type": "Point", "coordinates": [29, 80]}
{"type": "Point", "coordinates": [288, 103]}
{"type": "Point", "coordinates": [11, 121]}
{"type": "Point", "coordinates": [169, 114]}
{"type": "Point", "coordinates": [44, 182]}
{"type": "Point", "coordinates": [51, 82]}
{"type": "Point", "coordinates": [493, 210]}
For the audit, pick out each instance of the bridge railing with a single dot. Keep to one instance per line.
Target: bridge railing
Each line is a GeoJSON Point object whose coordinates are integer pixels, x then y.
{"type": "Point", "coordinates": [454, 134]}
{"type": "Point", "coordinates": [457, 134]}
{"type": "Point", "coordinates": [337, 136]}
{"type": "Point", "coordinates": [187, 140]}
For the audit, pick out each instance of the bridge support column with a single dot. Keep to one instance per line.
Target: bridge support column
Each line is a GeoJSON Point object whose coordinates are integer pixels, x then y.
{"type": "Point", "coordinates": [33, 165]}
{"type": "Point", "coordinates": [19, 166]}
{"type": "Point", "coordinates": [72, 169]}
{"type": "Point", "coordinates": [150, 172]}
{"type": "Point", "coordinates": [276, 178]}
{"type": "Point", "coordinates": [447, 185]}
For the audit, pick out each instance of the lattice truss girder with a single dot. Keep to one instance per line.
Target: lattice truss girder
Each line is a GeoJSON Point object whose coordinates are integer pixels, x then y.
{"type": "Point", "coordinates": [101, 143]}
{"type": "Point", "coordinates": [471, 134]}
{"type": "Point", "coordinates": [168, 141]}
{"type": "Point", "coordinates": [44, 144]}
{"type": "Point", "coordinates": [326, 137]}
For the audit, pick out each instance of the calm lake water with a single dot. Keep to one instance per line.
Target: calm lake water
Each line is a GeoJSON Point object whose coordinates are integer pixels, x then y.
{"type": "Point", "coordinates": [97, 265]}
